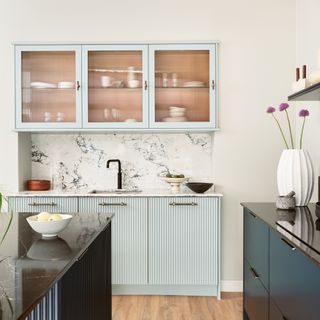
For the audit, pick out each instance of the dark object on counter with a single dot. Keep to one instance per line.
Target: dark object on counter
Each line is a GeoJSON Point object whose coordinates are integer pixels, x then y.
{"type": "Point", "coordinates": [199, 187]}
{"type": "Point", "coordinates": [119, 171]}
{"type": "Point", "coordinates": [38, 185]}
{"type": "Point", "coordinates": [318, 209]}
{"type": "Point", "coordinates": [286, 202]}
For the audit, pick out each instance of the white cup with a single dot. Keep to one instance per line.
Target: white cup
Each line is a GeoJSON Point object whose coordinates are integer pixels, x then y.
{"type": "Point", "coordinates": [106, 81]}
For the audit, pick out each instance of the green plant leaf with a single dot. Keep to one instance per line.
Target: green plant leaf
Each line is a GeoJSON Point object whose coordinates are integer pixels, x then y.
{"type": "Point", "coordinates": [7, 229]}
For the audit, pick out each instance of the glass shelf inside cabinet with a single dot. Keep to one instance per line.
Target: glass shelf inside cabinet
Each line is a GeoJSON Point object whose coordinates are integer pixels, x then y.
{"type": "Point", "coordinates": [115, 86]}
{"type": "Point", "coordinates": [48, 86]}
{"type": "Point", "coordinates": [182, 86]}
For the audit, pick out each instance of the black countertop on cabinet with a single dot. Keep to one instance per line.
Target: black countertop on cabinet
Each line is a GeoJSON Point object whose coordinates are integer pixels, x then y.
{"type": "Point", "coordinates": [30, 266]}
{"type": "Point", "coordinates": [301, 226]}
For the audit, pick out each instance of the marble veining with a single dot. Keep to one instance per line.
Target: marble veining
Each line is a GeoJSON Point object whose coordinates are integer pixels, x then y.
{"type": "Point", "coordinates": [81, 158]}
{"type": "Point", "coordinates": [26, 258]}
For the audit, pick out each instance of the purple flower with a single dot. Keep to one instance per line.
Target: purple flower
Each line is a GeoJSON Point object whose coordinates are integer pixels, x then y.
{"type": "Point", "coordinates": [271, 110]}
{"type": "Point", "coordinates": [304, 113]}
{"type": "Point", "coordinates": [283, 106]}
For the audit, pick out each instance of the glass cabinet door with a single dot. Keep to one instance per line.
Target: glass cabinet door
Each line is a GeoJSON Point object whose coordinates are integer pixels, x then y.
{"type": "Point", "coordinates": [182, 86]}
{"type": "Point", "coordinates": [48, 87]}
{"type": "Point", "coordinates": [116, 86]}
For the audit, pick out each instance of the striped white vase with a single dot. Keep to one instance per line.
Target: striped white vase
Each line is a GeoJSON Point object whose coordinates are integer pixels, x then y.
{"type": "Point", "coordinates": [295, 173]}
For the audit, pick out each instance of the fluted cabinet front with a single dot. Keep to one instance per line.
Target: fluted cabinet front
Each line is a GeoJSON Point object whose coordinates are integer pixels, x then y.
{"type": "Point", "coordinates": [129, 236]}
{"type": "Point", "coordinates": [184, 241]}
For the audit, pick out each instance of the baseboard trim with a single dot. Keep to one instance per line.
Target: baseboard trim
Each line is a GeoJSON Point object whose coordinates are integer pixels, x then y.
{"type": "Point", "coordinates": [232, 286]}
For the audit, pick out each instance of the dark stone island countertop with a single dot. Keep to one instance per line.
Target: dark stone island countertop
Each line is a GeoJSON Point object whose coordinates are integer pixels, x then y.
{"type": "Point", "coordinates": [30, 265]}
{"type": "Point", "coordinates": [301, 226]}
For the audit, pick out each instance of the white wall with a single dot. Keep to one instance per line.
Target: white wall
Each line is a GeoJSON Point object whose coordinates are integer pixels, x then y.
{"type": "Point", "coordinates": [256, 58]}
{"type": "Point", "coordinates": [307, 46]}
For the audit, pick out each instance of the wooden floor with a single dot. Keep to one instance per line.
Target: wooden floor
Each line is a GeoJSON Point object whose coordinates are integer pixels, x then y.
{"type": "Point", "coordinates": [177, 307]}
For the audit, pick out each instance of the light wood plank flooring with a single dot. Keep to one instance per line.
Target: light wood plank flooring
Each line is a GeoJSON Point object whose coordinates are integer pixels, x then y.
{"type": "Point", "coordinates": [177, 307]}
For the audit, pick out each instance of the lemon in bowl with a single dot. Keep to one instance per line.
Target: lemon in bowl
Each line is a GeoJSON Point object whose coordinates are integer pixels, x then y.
{"type": "Point", "coordinates": [49, 225]}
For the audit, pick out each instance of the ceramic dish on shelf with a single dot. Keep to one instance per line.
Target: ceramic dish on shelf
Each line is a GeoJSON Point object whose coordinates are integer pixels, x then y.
{"type": "Point", "coordinates": [65, 85]}
{"type": "Point", "coordinates": [175, 183]}
{"type": "Point", "coordinates": [42, 85]}
{"type": "Point", "coordinates": [193, 84]}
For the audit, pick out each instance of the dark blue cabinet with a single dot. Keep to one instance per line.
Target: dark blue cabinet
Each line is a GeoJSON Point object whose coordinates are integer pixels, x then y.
{"type": "Point", "coordinates": [274, 312]}
{"type": "Point", "coordinates": [294, 280]}
{"type": "Point", "coordinates": [256, 297]}
{"type": "Point", "coordinates": [256, 245]}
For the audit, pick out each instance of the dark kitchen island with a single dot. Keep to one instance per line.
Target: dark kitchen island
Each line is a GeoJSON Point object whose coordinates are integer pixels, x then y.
{"type": "Point", "coordinates": [68, 277]}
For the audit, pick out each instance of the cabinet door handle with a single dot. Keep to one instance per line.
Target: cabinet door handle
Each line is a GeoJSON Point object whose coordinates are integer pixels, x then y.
{"type": "Point", "coordinates": [254, 273]}
{"type": "Point", "coordinates": [82, 254]}
{"type": "Point", "coordinates": [212, 85]}
{"type": "Point", "coordinates": [78, 85]}
{"type": "Point", "coordinates": [104, 204]}
{"type": "Point", "coordinates": [183, 204]}
{"type": "Point", "coordinates": [252, 214]}
{"type": "Point", "coordinates": [36, 204]}
{"type": "Point", "coordinates": [145, 85]}
{"type": "Point", "coordinates": [288, 244]}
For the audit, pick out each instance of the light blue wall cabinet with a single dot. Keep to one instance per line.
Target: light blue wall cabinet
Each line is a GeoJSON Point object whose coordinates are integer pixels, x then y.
{"type": "Point", "coordinates": [48, 87]}
{"type": "Point", "coordinates": [183, 86]}
{"type": "Point", "coordinates": [116, 87]}
{"type": "Point", "coordinates": [184, 244]}
{"type": "Point", "coordinates": [129, 236]}
{"type": "Point", "coordinates": [115, 92]}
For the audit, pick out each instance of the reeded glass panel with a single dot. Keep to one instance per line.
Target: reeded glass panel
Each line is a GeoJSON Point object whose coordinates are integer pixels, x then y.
{"type": "Point", "coordinates": [48, 86]}
{"type": "Point", "coordinates": [182, 86]}
{"type": "Point", "coordinates": [115, 86]}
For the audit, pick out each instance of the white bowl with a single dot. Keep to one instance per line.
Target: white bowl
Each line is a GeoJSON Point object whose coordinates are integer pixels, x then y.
{"type": "Point", "coordinates": [133, 83]}
{"type": "Point", "coordinates": [49, 229]}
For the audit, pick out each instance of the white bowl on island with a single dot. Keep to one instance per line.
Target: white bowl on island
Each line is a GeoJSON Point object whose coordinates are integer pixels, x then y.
{"type": "Point", "coordinates": [175, 183]}
{"type": "Point", "coordinates": [49, 225]}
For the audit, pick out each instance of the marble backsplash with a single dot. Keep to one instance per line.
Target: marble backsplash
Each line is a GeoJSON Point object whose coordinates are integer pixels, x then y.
{"type": "Point", "coordinates": [81, 158]}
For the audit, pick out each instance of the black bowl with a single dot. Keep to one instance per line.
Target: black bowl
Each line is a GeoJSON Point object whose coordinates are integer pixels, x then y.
{"type": "Point", "coordinates": [199, 187]}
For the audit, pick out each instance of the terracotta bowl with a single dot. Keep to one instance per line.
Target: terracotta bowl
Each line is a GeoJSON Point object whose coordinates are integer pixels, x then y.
{"type": "Point", "coordinates": [38, 185]}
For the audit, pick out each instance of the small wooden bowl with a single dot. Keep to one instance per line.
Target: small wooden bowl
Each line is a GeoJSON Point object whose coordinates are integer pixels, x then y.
{"type": "Point", "coordinates": [38, 185]}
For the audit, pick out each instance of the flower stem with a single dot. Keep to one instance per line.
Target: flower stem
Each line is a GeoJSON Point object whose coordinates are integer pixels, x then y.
{"type": "Point", "coordinates": [302, 129]}
{"type": "Point", "coordinates": [290, 130]}
{"type": "Point", "coordinates": [282, 134]}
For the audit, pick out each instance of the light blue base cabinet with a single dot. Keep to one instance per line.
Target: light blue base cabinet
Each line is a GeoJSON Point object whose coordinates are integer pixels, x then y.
{"type": "Point", "coordinates": [129, 236]}
{"type": "Point", "coordinates": [160, 245]}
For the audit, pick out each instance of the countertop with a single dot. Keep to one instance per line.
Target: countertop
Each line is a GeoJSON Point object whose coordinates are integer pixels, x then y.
{"type": "Point", "coordinates": [301, 226]}
{"type": "Point", "coordinates": [86, 193]}
{"type": "Point", "coordinates": [30, 266]}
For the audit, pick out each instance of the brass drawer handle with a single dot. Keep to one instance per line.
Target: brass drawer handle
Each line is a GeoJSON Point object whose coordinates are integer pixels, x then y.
{"type": "Point", "coordinates": [37, 204]}
{"type": "Point", "coordinates": [293, 248]}
{"type": "Point", "coordinates": [254, 273]}
{"type": "Point", "coordinates": [183, 204]}
{"type": "Point", "coordinates": [104, 204]}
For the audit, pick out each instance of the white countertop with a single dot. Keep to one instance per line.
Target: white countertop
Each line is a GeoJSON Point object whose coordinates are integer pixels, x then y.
{"type": "Point", "coordinates": [86, 193]}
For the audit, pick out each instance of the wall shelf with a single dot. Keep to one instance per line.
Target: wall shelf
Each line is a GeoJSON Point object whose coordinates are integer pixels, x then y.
{"type": "Point", "coordinates": [311, 93]}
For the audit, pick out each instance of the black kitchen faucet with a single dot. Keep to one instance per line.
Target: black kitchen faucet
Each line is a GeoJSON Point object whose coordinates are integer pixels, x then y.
{"type": "Point", "coordinates": [119, 171]}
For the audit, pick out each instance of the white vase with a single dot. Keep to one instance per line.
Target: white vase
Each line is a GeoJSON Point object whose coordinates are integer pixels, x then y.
{"type": "Point", "coordinates": [295, 173]}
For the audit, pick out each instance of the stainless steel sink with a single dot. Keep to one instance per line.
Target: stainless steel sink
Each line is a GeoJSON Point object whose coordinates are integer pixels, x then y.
{"type": "Point", "coordinates": [118, 191]}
